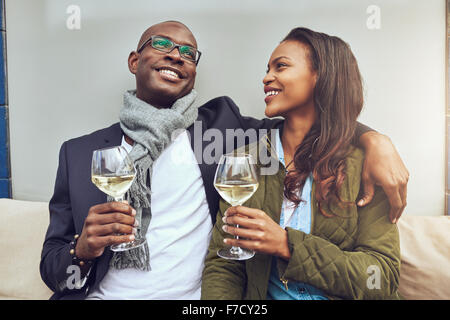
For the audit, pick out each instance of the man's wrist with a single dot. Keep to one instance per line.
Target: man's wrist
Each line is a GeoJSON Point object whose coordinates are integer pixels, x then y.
{"type": "Point", "coordinates": [372, 138]}
{"type": "Point", "coordinates": [83, 263]}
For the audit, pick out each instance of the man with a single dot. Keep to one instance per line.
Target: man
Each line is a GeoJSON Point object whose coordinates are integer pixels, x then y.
{"type": "Point", "coordinates": [183, 200]}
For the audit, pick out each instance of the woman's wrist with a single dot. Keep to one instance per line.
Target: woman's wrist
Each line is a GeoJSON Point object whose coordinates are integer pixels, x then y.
{"type": "Point", "coordinates": [284, 251]}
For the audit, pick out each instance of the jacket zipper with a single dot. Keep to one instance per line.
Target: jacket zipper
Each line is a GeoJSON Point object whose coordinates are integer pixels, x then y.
{"type": "Point", "coordinates": [269, 142]}
{"type": "Point", "coordinates": [285, 282]}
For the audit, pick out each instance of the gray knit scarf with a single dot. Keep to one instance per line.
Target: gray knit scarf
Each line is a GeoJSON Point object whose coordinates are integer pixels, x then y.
{"type": "Point", "coordinates": [151, 130]}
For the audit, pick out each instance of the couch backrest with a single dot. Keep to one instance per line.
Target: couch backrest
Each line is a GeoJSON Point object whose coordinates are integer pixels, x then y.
{"type": "Point", "coordinates": [425, 250]}
{"type": "Point", "coordinates": [22, 231]}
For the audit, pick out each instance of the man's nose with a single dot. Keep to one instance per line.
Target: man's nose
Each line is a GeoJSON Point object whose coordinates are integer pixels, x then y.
{"type": "Point", "coordinates": [175, 55]}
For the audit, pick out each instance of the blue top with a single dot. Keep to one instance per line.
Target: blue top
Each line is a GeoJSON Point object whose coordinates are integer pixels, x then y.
{"type": "Point", "coordinates": [298, 218]}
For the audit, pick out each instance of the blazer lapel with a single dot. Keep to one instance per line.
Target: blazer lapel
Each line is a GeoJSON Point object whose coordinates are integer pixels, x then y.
{"type": "Point", "coordinates": [113, 137]}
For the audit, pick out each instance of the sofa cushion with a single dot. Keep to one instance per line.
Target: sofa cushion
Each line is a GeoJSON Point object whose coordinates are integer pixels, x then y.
{"type": "Point", "coordinates": [22, 231]}
{"type": "Point", "coordinates": [425, 250]}
{"type": "Point", "coordinates": [424, 242]}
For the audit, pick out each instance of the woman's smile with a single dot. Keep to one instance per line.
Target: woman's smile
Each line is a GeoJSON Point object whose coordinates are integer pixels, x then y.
{"type": "Point", "coordinates": [270, 93]}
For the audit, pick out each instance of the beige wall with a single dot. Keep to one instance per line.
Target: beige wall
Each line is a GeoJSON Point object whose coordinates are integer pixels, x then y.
{"type": "Point", "coordinates": [64, 83]}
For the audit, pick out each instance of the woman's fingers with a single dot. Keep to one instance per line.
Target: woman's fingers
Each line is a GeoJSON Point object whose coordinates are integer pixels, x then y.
{"type": "Point", "coordinates": [245, 222]}
{"type": "Point", "coordinates": [244, 233]}
{"type": "Point", "coordinates": [261, 233]}
{"type": "Point", "coordinates": [244, 211]}
{"type": "Point", "coordinates": [248, 244]}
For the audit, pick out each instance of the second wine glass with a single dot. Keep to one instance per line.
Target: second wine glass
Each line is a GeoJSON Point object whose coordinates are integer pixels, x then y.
{"type": "Point", "coordinates": [236, 180]}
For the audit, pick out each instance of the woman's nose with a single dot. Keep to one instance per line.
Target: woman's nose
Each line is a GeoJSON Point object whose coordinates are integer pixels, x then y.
{"type": "Point", "coordinates": [268, 78]}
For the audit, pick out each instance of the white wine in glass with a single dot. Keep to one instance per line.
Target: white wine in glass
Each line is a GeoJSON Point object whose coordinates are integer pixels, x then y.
{"type": "Point", "coordinates": [113, 173]}
{"type": "Point", "coordinates": [236, 180]}
{"type": "Point", "coordinates": [236, 192]}
{"type": "Point", "coordinates": [112, 184]}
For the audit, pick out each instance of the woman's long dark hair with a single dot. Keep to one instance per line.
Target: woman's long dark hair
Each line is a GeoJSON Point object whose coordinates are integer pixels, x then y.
{"type": "Point", "coordinates": [338, 100]}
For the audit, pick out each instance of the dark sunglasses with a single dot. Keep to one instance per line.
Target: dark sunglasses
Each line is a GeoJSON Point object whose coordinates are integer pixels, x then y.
{"type": "Point", "coordinates": [167, 45]}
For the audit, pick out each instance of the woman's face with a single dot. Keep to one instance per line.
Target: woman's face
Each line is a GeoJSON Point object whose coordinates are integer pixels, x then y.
{"type": "Point", "coordinates": [289, 82]}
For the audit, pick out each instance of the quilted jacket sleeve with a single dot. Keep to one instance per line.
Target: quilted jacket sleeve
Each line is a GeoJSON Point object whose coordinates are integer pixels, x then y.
{"type": "Point", "coordinates": [369, 271]}
{"type": "Point", "coordinates": [222, 279]}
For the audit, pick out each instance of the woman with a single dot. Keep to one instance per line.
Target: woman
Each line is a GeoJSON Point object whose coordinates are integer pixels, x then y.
{"type": "Point", "coordinates": [310, 238]}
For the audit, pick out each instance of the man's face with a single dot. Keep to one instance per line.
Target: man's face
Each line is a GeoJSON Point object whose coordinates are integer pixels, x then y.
{"type": "Point", "coordinates": [162, 78]}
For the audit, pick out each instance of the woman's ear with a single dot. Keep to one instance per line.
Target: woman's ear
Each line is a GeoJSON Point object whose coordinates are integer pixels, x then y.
{"type": "Point", "coordinates": [133, 60]}
{"type": "Point", "coordinates": [315, 78]}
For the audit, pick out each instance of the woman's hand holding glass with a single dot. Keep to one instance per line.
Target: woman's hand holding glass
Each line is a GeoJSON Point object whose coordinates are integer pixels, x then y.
{"type": "Point", "coordinates": [236, 180]}
{"type": "Point", "coordinates": [261, 233]}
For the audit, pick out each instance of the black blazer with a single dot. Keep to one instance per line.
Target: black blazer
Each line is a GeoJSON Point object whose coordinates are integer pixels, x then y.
{"type": "Point", "coordinates": [74, 193]}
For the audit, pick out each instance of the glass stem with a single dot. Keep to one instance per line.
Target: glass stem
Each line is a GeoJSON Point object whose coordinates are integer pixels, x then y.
{"type": "Point", "coordinates": [234, 249]}
{"type": "Point", "coordinates": [119, 198]}
{"type": "Point", "coordinates": [138, 218]}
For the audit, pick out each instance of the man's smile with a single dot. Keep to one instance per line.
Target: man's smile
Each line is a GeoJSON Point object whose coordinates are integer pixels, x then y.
{"type": "Point", "coordinates": [170, 73]}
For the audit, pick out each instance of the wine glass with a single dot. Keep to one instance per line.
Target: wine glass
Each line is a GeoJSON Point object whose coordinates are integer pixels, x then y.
{"type": "Point", "coordinates": [113, 173]}
{"type": "Point", "coordinates": [236, 180]}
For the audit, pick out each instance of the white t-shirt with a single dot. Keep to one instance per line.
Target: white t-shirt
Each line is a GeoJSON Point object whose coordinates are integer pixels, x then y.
{"type": "Point", "coordinates": [178, 235]}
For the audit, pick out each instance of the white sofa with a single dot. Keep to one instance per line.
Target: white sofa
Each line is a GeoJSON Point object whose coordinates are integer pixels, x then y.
{"type": "Point", "coordinates": [425, 247]}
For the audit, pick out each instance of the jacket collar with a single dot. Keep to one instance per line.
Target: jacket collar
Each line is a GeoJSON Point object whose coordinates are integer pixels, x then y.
{"type": "Point", "coordinates": [264, 151]}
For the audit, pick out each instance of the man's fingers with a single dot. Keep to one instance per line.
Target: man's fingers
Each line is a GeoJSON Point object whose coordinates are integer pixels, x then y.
{"type": "Point", "coordinates": [110, 229]}
{"type": "Point", "coordinates": [107, 218]}
{"type": "Point", "coordinates": [395, 200]}
{"type": "Point", "coordinates": [369, 191]}
{"type": "Point", "coordinates": [113, 207]}
{"type": "Point", "coordinates": [403, 195]}
{"type": "Point", "coordinates": [393, 213]}
{"type": "Point", "coordinates": [116, 239]}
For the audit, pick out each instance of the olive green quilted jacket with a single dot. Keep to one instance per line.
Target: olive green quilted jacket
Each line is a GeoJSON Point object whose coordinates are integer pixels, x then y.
{"type": "Point", "coordinates": [355, 255]}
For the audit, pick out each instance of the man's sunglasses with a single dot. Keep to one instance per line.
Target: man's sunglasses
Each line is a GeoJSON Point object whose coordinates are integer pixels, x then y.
{"type": "Point", "coordinates": [167, 45]}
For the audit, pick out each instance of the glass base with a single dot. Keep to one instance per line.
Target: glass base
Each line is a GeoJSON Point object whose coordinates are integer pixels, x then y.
{"type": "Point", "coordinates": [235, 253]}
{"type": "Point", "coordinates": [128, 245]}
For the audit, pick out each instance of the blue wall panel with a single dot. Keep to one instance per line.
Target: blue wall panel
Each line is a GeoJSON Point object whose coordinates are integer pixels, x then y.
{"type": "Point", "coordinates": [5, 174]}
{"type": "Point", "coordinates": [2, 20]}
{"type": "Point", "coordinates": [2, 70]}
{"type": "Point", "coordinates": [5, 187]}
